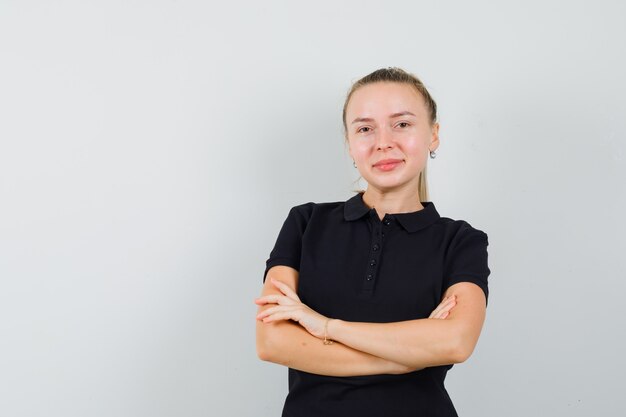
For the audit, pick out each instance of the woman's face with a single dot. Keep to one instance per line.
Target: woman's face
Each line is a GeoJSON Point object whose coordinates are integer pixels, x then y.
{"type": "Point", "coordinates": [389, 121]}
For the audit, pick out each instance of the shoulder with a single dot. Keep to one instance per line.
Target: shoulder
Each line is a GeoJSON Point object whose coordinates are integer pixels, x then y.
{"type": "Point", "coordinates": [314, 209]}
{"type": "Point", "coordinates": [462, 241]}
{"type": "Point", "coordinates": [456, 229]}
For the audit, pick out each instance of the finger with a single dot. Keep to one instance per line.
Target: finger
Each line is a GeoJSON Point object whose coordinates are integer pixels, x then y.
{"type": "Point", "coordinates": [437, 314]}
{"type": "Point", "coordinates": [447, 299]}
{"type": "Point", "coordinates": [444, 311]}
{"type": "Point", "coordinates": [286, 289]}
{"type": "Point", "coordinates": [266, 313]}
{"type": "Point", "coordinates": [276, 309]}
{"type": "Point", "coordinates": [280, 315]}
{"type": "Point", "coordinates": [269, 312]}
{"type": "Point", "coordinates": [275, 299]}
{"type": "Point", "coordinates": [450, 303]}
{"type": "Point", "coordinates": [262, 300]}
{"type": "Point", "coordinates": [439, 307]}
{"type": "Point", "coordinates": [445, 305]}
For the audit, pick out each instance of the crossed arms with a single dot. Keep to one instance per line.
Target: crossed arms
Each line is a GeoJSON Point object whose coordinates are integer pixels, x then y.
{"type": "Point", "coordinates": [289, 333]}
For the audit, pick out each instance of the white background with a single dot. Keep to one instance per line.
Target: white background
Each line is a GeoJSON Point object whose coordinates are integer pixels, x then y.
{"type": "Point", "coordinates": [150, 151]}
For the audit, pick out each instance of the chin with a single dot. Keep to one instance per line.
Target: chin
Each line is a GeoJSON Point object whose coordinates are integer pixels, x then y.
{"type": "Point", "coordinates": [385, 186]}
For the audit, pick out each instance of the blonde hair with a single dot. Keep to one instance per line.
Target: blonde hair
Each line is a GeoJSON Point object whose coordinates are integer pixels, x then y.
{"type": "Point", "coordinates": [396, 75]}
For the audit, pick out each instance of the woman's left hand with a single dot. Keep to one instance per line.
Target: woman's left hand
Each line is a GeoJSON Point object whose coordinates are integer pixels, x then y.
{"type": "Point", "coordinates": [289, 307]}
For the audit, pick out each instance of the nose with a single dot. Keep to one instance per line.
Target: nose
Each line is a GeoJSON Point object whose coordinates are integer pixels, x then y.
{"type": "Point", "coordinates": [383, 139]}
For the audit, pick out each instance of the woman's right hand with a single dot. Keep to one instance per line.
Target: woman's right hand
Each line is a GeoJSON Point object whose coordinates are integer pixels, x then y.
{"type": "Point", "coordinates": [443, 309]}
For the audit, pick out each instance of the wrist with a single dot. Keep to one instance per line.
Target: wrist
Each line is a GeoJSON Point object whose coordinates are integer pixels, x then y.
{"type": "Point", "coordinates": [332, 329]}
{"type": "Point", "coordinates": [328, 340]}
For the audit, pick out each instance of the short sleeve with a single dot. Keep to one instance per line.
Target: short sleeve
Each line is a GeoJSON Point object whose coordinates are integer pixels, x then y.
{"type": "Point", "coordinates": [467, 259]}
{"type": "Point", "coordinates": [288, 246]}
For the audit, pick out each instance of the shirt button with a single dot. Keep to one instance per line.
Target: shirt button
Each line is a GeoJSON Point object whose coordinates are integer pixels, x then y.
{"type": "Point", "coordinates": [369, 277]}
{"type": "Point", "coordinates": [373, 262]}
{"type": "Point", "coordinates": [386, 222]}
{"type": "Point", "coordinates": [383, 235]}
{"type": "Point", "coordinates": [375, 247]}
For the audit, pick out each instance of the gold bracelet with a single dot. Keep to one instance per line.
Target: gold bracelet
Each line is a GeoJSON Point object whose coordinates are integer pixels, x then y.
{"type": "Point", "coordinates": [327, 341]}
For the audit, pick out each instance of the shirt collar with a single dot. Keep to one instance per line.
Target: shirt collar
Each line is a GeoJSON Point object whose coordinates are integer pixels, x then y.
{"type": "Point", "coordinates": [355, 208]}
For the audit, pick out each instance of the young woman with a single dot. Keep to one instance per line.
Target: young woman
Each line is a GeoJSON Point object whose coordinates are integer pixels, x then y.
{"type": "Point", "coordinates": [370, 301]}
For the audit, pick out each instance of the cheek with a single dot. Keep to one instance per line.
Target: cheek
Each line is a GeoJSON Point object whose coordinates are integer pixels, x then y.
{"type": "Point", "coordinates": [360, 150]}
{"type": "Point", "coordinates": [416, 144]}
{"type": "Point", "coordinates": [416, 147]}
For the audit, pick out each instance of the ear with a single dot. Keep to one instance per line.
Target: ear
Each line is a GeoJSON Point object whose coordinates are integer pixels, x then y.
{"type": "Point", "coordinates": [434, 143]}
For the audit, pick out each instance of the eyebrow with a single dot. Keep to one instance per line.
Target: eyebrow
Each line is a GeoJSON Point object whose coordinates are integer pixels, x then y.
{"type": "Point", "coordinates": [391, 116]}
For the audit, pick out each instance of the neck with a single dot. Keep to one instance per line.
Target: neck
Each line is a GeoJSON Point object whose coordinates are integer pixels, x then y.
{"type": "Point", "coordinates": [397, 201]}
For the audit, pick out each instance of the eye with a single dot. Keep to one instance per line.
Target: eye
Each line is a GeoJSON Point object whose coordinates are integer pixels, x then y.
{"type": "Point", "coordinates": [406, 124]}
{"type": "Point", "coordinates": [360, 130]}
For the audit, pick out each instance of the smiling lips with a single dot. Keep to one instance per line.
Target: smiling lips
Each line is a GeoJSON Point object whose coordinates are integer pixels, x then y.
{"type": "Point", "coordinates": [387, 164]}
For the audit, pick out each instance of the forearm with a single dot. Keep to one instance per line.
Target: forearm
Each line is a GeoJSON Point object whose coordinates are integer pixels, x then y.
{"type": "Point", "coordinates": [424, 342]}
{"type": "Point", "coordinates": [287, 343]}
{"type": "Point", "coordinates": [415, 343]}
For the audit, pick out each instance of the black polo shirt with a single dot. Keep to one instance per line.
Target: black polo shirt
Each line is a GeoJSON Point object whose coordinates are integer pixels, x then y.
{"type": "Point", "coordinates": [355, 267]}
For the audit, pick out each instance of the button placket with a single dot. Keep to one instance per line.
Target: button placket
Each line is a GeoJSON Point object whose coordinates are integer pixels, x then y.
{"type": "Point", "coordinates": [374, 256]}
